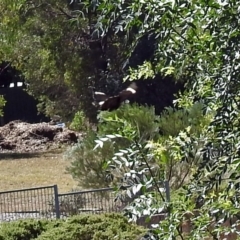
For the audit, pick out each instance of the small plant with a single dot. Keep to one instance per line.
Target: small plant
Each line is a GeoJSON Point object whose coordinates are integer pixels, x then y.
{"type": "Point", "coordinates": [79, 122]}
{"type": "Point", "coordinates": [2, 104]}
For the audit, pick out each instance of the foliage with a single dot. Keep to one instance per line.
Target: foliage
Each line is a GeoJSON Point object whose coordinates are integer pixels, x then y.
{"type": "Point", "coordinates": [63, 58]}
{"type": "Point", "coordinates": [88, 166]}
{"type": "Point", "coordinates": [140, 118]}
{"type": "Point", "coordinates": [30, 40]}
{"type": "Point", "coordinates": [144, 71]}
{"type": "Point", "coordinates": [79, 122]}
{"type": "Point", "coordinates": [106, 226]}
{"type": "Point", "coordinates": [173, 120]}
{"type": "Point", "coordinates": [138, 127]}
{"type": "Point", "coordinates": [56, 53]}
{"type": "Point", "coordinates": [2, 103]}
{"type": "Point", "coordinates": [185, 129]}
{"type": "Point", "coordinates": [197, 42]}
{"type": "Point", "coordinates": [103, 226]}
{"type": "Point", "coordinates": [142, 164]}
{"type": "Point", "coordinates": [143, 167]}
{"type": "Point", "coordinates": [26, 229]}
{"type": "Point", "coordinates": [131, 152]}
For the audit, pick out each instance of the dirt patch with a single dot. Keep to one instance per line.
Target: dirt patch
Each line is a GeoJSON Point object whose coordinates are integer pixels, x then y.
{"type": "Point", "coordinates": [18, 136]}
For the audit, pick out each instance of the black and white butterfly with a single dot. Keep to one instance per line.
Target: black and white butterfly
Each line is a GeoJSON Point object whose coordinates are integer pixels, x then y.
{"type": "Point", "coordinates": [106, 103]}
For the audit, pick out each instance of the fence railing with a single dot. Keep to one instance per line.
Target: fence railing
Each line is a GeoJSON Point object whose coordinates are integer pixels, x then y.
{"type": "Point", "coordinates": [46, 202]}
{"type": "Point", "coordinates": [24, 203]}
{"type": "Point", "coordinates": [90, 201]}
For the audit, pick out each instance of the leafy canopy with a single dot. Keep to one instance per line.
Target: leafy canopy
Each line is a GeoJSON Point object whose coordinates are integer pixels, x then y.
{"type": "Point", "coordinates": [52, 46]}
{"type": "Point", "coordinates": [198, 43]}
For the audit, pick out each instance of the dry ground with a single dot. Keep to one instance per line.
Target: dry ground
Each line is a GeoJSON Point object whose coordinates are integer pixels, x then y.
{"type": "Point", "coordinates": [28, 170]}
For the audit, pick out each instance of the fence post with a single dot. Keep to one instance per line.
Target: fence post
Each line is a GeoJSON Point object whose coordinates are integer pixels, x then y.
{"type": "Point", "coordinates": [57, 208]}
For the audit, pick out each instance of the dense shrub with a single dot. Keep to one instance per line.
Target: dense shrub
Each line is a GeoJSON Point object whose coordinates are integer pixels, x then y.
{"type": "Point", "coordinates": [136, 124]}
{"type": "Point", "coordinates": [173, 120]}
{"type": "Point", "coordinates": [86, 227]}
{"type": "Point", "coordinates": [142, 118]}
{"type": "Point", "coordinates": [26, 229]}
{"type": "Point", "coordinates": [82, 227]}
{"type": "Point", "coordinates": [89, 167]}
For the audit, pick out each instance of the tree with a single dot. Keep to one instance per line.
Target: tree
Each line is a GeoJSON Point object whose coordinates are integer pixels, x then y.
{"type": "Point", "coordinates": [54, 50]}
{"type": "Point", "coordinates": [198, 43]}
{"type": "Point", "coordinates": [63, 58]}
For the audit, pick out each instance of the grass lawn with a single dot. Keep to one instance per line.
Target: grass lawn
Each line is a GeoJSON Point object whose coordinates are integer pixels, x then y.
{"type": "Point", "coordinates": [19, 171]}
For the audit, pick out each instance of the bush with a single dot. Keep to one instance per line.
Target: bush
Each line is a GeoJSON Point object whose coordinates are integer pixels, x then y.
{"type": "Point", "coordinates": [79, 122]}
{"type": "Point", "coordinates": [142, 119]}
{"type": "Point", "coordinates": [88, 165]}
{"type": "Point", "coordinates": [175, 125]}
{"type": "Point", "coordinates": [139, 125]}
{"type": "Point", "coordinates": [172, 121]}
{"type": "Point", "coordinates": [95, 227]}
{"type": "Point", "coordinates": [84, 227]}
{"type": "Point", "coordinates": [26, 229]}
{"type": "Point", "coordinates": [151, 157]}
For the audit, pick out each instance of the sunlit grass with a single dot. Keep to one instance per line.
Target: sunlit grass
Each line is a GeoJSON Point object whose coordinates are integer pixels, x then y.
{"type": "Point", "coordinates": [18, 171]}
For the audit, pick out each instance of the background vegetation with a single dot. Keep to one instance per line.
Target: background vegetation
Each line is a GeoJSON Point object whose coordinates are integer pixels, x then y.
{"type": "Point", "coordinates": [194, 143]}
{"type": "Point", "coordinates": [2, 103]}
{"type": "Point", "coordinates": [63, 58]}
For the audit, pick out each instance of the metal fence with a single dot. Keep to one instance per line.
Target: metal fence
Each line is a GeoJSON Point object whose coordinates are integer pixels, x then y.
{"type": "Point", "coordinates": [28, 203]}
{"type": "Point", "coordinates": [90, 201]}
{"type": "Point", "coordinates": [46, 202]}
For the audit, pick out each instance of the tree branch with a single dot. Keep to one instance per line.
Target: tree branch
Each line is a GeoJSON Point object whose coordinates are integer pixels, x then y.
{"type": "Point", "coordinates": [150, 170]}
{"type": "Point", "coordinates": [65, 13]}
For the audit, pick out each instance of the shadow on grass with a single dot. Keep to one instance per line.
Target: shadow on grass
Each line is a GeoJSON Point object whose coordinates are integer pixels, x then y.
{"type": "Point", "coordinates": [17, 156]}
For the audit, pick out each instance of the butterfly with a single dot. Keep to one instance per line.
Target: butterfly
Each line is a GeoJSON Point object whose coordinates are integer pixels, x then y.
{"type": "Point", "coordinates": [106, 103]}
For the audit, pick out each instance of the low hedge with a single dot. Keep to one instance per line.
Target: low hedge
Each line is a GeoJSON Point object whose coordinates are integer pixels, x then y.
{"type": "Point", "coordinates": [81, 227]}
